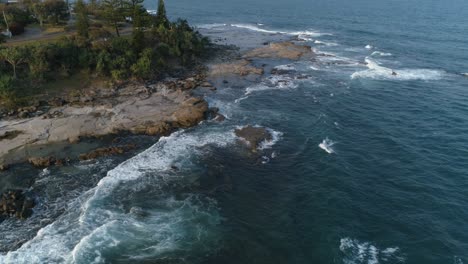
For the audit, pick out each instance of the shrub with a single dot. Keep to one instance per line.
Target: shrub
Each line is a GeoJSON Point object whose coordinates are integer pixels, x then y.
{"type": "Point", "coordinates": [16, 28]}
{"type": "Point", "coordinates": [6, 87]}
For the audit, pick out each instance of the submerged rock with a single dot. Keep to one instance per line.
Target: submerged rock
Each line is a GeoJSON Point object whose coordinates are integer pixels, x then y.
{"type": "Point", "coordinates": [42, 162]}
{"type": "Point", "coordinates": [100, 152]}
{"type": "Point", "coordinates": [14, 203]}
{"type": "Point", "coordinates": [219, 117]}
{"type": "Point", "coordinates": [4, 167]}
{"type": "Point", "coordinates": [253, 136]}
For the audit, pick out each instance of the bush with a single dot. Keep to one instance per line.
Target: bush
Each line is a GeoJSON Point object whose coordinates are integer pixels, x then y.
{"type": "Point", "coordinates": [99, 33]}
{"type": "Point", "coordinates": [16, 28]}
{"type": "Point", "coordinates": [6, 87]}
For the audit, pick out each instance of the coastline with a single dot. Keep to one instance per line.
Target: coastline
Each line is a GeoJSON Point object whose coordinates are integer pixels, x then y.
{"type": "Point", "coordinates": [154, 109]}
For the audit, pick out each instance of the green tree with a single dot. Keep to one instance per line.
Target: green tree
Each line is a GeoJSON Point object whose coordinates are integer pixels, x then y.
{"type": "Point", "coordinates": [161, 17]}
{"type": "Point", "coordinates": [82, 20]}
{"type": "Point", "coordinates": [7, 90]}
{"type": "Point", "coordinates": [15, 57]}
{"type": "Point", "coordinates": [39, 62]}
{"type": "Point", "coordinates": [56, 10]}
{"type": "Point", "coordinates": [37, 10]}
{"type": "Point", "coordinates": [113, 13]}
{"type": "Point", "coordinates": [144, 66]}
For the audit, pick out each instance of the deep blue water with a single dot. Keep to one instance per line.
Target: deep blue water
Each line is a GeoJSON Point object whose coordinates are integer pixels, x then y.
{"type": "Point", "coordinates": [391, 190]}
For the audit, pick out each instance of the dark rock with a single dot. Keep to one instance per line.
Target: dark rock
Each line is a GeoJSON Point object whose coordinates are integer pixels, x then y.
{"type": "Point", "coordinates": [57, 102]}
{"type": "Point", "coordinates": [225, 81]}
{"type": "Point", "coordinates": [219, 118]}
{"type": "Point", "coordinates": [4, 167]}
{"type": "Point", "coordinates": [211, 113]}
{"type": "Point", "coordinates": [42, 162]}
{"type": "Point", "coordinates": [100, 152]}
{"type": "Point", "coordinates": [14, 203]}
{"type": "Point", "coordinates": [23, 114]}
{"type": "Point", "coordinates": [10, 134]}
{"type": "Point", "coordinates": [253, 136]}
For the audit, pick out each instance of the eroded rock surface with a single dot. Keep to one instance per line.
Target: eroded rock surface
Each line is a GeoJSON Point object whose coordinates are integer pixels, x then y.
{"type": "Point", "coordinates": [281, 50]}
{"type": "Point", "coordinates": [253, 136]}
{"type": "Point", "coordinates": [239, 67]}
{"type": "Point", "coordinates": [101, 152]}
{"type": "Point", "coordinates": [14, 203]}
{"type": "Point", "coordinates": [156, 110]}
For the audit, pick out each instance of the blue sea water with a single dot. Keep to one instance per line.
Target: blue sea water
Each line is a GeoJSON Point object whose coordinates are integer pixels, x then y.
{"type": "Point", "coordinates": [365, 166]}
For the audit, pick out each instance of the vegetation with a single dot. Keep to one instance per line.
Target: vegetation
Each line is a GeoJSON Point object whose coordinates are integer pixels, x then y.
{"type": "Point", "coordinates": [82, 20]}
{"type": "Point", "coordinates": [154, 47]}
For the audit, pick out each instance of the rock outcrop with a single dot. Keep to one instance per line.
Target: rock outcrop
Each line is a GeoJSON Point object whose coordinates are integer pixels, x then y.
{"type": "Point", "coordinates": [152, 110]}
{"type": "Point", "coordinates": [14, 203]}
{"type": "Point", "coordinates": [281, 50]}
{"type": "Point", "coordinates": [240, 67]}
{"type": "Point", "coordinates": [44, 162]}
{"type": "Point", "coordinates": [253, 136]}
{"type": "Point", "coordinates": [101, 152]}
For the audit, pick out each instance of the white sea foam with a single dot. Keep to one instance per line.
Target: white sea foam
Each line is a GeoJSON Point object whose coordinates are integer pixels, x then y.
{"type": "Point", "coordinates": [327, 145]}
{"type": "Point", "coordinates": [96, 222]}
{"type": "Point", "coordinates": [330, 44]}
{"type": "Point", "coordinates": [357, 252]}
{"type": "Point", "coordinates": [457, 260]}
{"type": "Point", "coordinates": [382, 54]}
{"type": "Point", "coordinates": [300, 34]}
{"type": "Point", "coordinates": [256, 28]}
{"type": "Point", "coordinates": [276, 82]}
{"type": "Point", "coordinates": [369, 47]}
{"type": "Point", "coordinates": [308, 33]}
{"type": "Point", "coordinates": [376, 71]}
{"type": "Point", "coordinates": [275, 137]}
{"type": "Point", "coordinates": [211, 26]}
{"type": "Point", "coordinates": [238, 100]}
{"type": "Point", "coordinates": [285, 67]}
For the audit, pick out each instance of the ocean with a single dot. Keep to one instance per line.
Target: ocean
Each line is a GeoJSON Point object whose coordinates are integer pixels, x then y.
{"type": "Point", "coordinates": [364, 166]}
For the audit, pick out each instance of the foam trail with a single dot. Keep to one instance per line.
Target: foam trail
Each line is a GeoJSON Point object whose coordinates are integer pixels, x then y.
{"type": "Point", "coordinates": [256, 28]}
{"type": "Point", "coordinates": [357, 252]}
{"type": "Point", "coordinates": [379, 53]}
{"type": "Point", "coordinates": [211, 26]}
{"type": "Point", "coordinates": [375, 71]}
{"type": "Point", "coordinates": [330, 44]}
{"type": "Point", "coordinates": [268, 144]}
{"type": "Point", "coordinates": [327, 145]}
{"type": "Point", "coordinates": [305, 33]}
{"type": "Point", "coordinates": [278, 82]}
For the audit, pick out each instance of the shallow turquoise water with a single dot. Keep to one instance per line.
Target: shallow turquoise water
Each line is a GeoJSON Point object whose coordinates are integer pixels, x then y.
{"type": "Point", "coordinates": [391, 190]}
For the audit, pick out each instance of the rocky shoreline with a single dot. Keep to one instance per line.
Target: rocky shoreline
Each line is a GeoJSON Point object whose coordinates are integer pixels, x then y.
{"type": "Point", "coordinates": [155, 109]}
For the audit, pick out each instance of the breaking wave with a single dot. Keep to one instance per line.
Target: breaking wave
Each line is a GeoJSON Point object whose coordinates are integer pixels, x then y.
{"type": "Point", "coordinates": [114, 218]}
{"type": "Point", "coordinates": [327, 145]}
{"type": "Point", "coordinates": [357, 252]}
{"type": "Point", "coordinates": [376, 71]}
